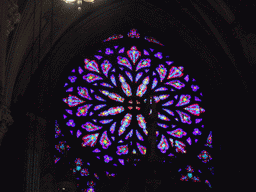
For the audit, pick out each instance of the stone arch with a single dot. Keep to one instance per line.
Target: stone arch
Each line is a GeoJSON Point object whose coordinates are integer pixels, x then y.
{"type": "Point", "coordinates": [43, 100]}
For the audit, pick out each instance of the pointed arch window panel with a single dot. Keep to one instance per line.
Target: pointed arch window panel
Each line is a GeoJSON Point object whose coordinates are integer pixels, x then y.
{"type": "Point", "coordinates": [101, 108]}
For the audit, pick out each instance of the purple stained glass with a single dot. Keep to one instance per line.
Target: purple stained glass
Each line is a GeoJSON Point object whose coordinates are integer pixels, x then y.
{"type": "Point", "coordinates": [113, 80]}
{"type": "Point", "coordinates": [105, 141]}
{"type": "Point", "coordinates": [122, 150]}
{"type": "Point", "coordinates": [98, 57]}
{"type": "Point", "coordinates": [129, 75]}
{"type": "Point", "coordinates": [124, 62]}
{"type": "Point", "coordinates": [142, 87]}
{"type": "Point", "coordinates": [185, 118]}
{"type": "Point", "coordinates": [163, 117]}
{"type": "Point", "coordinates": [133, 54]}
{"type": "Point", "coordinates": [197, 99]}
{"type": "Point", "coordinates": [175, 72]}
{"type": "Point", "coordinates": [99, 107]}
{"type": "Point", "coordinates": [106, 85]}
{"type": "Point", "coordinates": [78, 133]}
{"type": "Point", "coordinates": [112, 128]}
{"type": "Point", "coordinates": [107, 158]}
{"type": "Point", "coordinates": [198, 120]}
{"type": "Point", "coordinates": [159, 55]}
{"type": "Point", "coordinates": [179, 133]}
{"type": "Point", "coordinates": [99, 98]}
{"type": "Point", "coordinates": [106, 121]}
{"type": "Point", "coordinates": [69, 111]}
{"type": "Point", "coordinates": [96, 151]}
{"type": "Point", "coordinates": [180, 147]}
{"type": "Point", "coordinates": [139, 136]}
{"type": "Point", "coordinates": [187, 78]}
{"type": "Point", "coordinates": [142, 123]}
{"type": "Point", "coordinates": [153, 40]}
{"type": "Point", "coordinates": [184, 100]}
{"type": "Point", "coordinates": [114, 37]}
{"type": "Point", "coordinates": [143, 63]}
{"type": "Point", "coordinates": [121, 161]}
{"type": "Point", "coordinates": [129, 134]}
{"type": "Point", "coordinates": [161, 89]}
{"type": "Point", "coordinates": [154, 84]}
{"type": "Point", "coordinates": [105, 66]}
{"type": "Point", "coordinates": [91, 65]}
{"type": "Point", "coordinates": [70, 89]}
{"type": "Point", "coordinates": [125, 86]}
{"type": "Point", "coordinates": [194, 87]}
{"type": "Point", "coordinates": [83, 92]}
{"type": "Point", "coordinates": [168, 103]}
{"type": "Point", "coordinates": [169, 112]}
{"type": "Point", "coordinates": [176, 83]}
{"type": "Point", "coordinates": [209, 140]}
{"type": "Point", "coordinates": [163, 144]}
{"type": "Point", "coordinates": [112, 111]}
{"type": "Point", "coordinates": [90, 78]}
{"type": "Point", "coordinates": [141, 148]}
{"type": "Point", "coordinates": [72, 79]}
{"type": "Point", "coordinates": [169, 62]}
{"type": "Point", "coordinates": [145, 52]}
{"type": "Point", "coordinates": [90, 127]}
{"type": "Point", "coordinates": [205, 156]}
{"type": "Point", "coordinates": [162, 125]}
{"type": "Point", "coordinates": [113, 96]}
{"type": "Point", "coordinates": [106, 75]}
{"type": "Point", "coordinates": [109, 51]}
{"type": "Point", "coordinates": [162, 71]}
{"type": "Point", "coordinates": [195, 109]}
{"type": "Point", "coordinates": [121, 50]}
{"type": "Point", "coordinates": [133, 34]}
{"type": "Point", "coordinates": [197, 132]}
{"type": "Point", "coordinates": [125, 123]}
{"type": "Point", "coordinates": [138, 76]}
{"type": "Point", "coordinates": [73, 101]}
{"type": "Point", "coordinates": [90, 140]}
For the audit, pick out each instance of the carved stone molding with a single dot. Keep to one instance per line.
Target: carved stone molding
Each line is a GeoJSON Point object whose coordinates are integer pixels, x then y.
{"type": "Point", "coordinates": [250, 50]}
{"type": "Point", "coordinates": [5, 120]}
{"type": "Point", "coordinates": [13, 16]}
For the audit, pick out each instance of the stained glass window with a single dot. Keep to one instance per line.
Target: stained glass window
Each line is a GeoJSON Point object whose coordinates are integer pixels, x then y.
{"type": "Point", "coordinates": [103, 98]}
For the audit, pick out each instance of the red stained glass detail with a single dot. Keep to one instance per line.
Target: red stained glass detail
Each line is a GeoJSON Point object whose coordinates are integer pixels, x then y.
{"type": "Point", "coordinates": [175, 72]}
{"type": "Point", "coordinates": [91, 65]}
{"type": "Point", "coordinates": [134, 54]}
{"type": "Point", "coordinates": [195, 109]}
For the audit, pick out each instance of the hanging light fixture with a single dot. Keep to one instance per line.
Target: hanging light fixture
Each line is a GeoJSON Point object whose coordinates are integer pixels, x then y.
{"type": "Point", "coordinates": [79, 2]}
{"type": "Point", "coordinates": [89, 1]}
{"type": "Point", "coordinates": [73, 1]}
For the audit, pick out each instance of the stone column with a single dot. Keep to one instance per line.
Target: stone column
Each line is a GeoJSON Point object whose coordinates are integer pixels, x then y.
{"type": "Point", "coordinates": [9, 16]}
{"type": "Point", "coordinates": [35, 145]}
{"type": "Point", "coordinates": [3, 43]}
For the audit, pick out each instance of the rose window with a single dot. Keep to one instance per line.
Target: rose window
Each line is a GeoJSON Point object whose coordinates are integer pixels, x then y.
{"type": "Point", "coordinates": [105, 95]}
